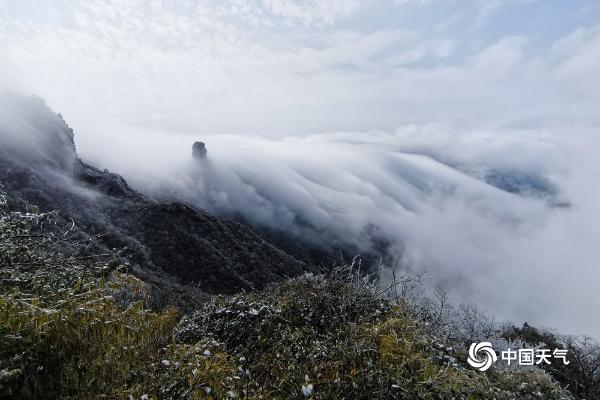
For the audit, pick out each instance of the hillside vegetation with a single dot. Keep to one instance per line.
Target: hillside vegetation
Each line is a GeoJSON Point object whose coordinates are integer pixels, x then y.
{"type": "Point", "coordinates": [75, 325]}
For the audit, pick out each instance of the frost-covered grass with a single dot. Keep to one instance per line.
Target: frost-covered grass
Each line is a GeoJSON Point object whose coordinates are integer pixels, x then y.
{"type": "Point", "coordinates": [332, 337]}
{"type": "Point", "coordinates": [62, 334]}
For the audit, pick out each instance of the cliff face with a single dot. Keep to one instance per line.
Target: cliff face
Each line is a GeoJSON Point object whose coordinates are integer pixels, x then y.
{"type": "Point", "coordinates": [32, 133]}
{"type": "Point", "coordinates": [173, 246]}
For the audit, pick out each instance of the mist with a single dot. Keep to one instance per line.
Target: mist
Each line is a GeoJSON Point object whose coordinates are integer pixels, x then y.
{"type": "Point", "coordinates": [470, 151]}
{"type": "Point", "coordinates": [429, 192]}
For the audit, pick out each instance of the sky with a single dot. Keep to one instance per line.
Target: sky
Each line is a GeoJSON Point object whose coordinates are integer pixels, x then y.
{"type": "Point", "coordinates": [284, 67]}
{"type": "Point", "coordinates": [353, 115]}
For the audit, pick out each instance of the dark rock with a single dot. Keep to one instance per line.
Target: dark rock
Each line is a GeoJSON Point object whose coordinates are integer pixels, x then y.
{"type": "Point", "coordinates": [199, 150]}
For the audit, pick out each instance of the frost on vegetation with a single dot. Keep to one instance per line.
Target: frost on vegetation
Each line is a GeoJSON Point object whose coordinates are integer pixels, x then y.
{"type": "Point", "coordinates": [336, 336]}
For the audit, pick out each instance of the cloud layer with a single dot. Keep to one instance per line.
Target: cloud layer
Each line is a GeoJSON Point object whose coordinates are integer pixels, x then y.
{"type": "Point", "coordinates": [501, 218]}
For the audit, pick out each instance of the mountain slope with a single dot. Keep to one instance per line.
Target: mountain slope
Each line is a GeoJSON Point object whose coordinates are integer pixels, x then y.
{"type": "Point", "coordinates": [167, 241]}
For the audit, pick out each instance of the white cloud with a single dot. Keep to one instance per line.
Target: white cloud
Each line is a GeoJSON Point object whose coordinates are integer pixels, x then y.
{"type": "Point", "coordinates": [411, 2]}
{"type": "Point", "coordinates": [501, 58]}
{"type": "Point", "coordinates": [577, 56]}
{"type": "Point", "coordinates": [519, 257]}
{"type": "Point", "coordinates": [313, 12]}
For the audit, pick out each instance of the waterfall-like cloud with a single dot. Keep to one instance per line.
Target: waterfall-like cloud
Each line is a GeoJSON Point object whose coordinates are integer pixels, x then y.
{"type": "Point", "coordinates": [502, 218]}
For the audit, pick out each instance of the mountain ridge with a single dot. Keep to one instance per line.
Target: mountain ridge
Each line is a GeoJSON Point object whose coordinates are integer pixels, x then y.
{"type": "Point", "coordinates": [167, 241]}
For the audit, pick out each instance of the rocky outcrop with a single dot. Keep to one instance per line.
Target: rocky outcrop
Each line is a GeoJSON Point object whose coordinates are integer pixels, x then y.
{"type": "Point", "coordinates": [199, 150]}
{"type": "Point", "coordinates": [31, 133]}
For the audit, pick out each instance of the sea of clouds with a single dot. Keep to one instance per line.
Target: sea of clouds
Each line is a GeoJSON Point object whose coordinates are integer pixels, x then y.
{"type": "Point", "coordinates": [500, 218]}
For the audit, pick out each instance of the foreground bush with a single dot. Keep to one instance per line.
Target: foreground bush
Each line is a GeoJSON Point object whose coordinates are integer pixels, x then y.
{"type": "Point", "coordinates": [325, 337]}
{"type": "Point", "coordinates": [62, 332]}
{"type": "Point", "coordinates": [79, 347]}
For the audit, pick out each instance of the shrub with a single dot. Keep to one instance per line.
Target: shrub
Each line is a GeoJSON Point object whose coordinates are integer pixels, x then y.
{"type": "Point", "coordinates": [328, 337]}
{"type": "Point", "coordinates": [61, 332]}
{"type": "Point", "coordinates": [81, 346]}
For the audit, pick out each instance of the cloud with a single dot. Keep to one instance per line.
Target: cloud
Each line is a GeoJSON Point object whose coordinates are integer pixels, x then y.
{"type": "Point", "coordinates": [411, 2]}
{"type": "Point", "coordinates": [577, 60]}
{"type": "Point", "coordinates": [429, 192]}
{"type": "Point", "coordinates": [188, 67]}
{"type": "Point", "coordinates": [314, 12]}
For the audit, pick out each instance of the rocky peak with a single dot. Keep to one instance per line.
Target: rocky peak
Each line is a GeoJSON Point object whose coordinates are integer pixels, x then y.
{"type": "Point", "coordinates": [199, 150]}
{"type": "Point", "coordinates": [31, 132]}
